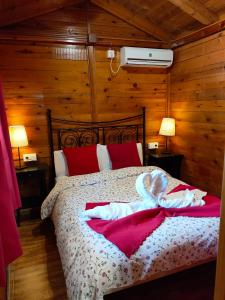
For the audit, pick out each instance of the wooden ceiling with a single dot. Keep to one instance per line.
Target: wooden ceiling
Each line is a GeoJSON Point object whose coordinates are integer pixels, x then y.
{"type": "Point", "coordinates": [176, 22]}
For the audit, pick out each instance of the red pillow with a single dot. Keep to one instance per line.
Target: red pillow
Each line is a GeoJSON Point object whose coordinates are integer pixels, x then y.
{"type": "Point", "coordinates": [124, 155]}
{"type": "Point", "coordinates": [82, 160]}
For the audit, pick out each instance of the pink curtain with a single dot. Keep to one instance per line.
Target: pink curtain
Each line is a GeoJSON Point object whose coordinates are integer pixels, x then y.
{"type": "Point", "coordinates": [10, 247]}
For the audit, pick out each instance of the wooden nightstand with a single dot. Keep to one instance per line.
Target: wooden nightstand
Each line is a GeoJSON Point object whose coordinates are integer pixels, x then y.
{"type": "Point", "coordinates": [32, 186]}
{"type": "Point", "coordinates": [169, 162]}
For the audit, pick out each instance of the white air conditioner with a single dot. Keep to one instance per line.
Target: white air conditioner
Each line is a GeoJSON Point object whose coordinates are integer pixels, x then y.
{"type": "Point", "coordinates": [147, 57]}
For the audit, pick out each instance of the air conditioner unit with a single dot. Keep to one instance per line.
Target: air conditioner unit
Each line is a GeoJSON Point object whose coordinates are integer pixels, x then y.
{"type": "Point", "coordinates": [147, 57]}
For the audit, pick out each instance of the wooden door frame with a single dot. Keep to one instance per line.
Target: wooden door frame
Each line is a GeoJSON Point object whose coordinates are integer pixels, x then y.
{"type": "Point", "coordinates": [219, 293]}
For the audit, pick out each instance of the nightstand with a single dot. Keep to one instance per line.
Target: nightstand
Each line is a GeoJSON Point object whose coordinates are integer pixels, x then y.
{"type": "Point", "coordinates": [169, 162]}
{"type": "Point", "coordinates": [32, 186]}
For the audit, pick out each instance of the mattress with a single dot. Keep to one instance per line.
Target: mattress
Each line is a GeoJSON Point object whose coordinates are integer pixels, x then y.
{"type": "Point", "coordinates": [92, 265]}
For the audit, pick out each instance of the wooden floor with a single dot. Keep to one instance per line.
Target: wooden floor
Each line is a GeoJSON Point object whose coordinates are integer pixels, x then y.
{"type": "Point", "coordinates": [37, 275]}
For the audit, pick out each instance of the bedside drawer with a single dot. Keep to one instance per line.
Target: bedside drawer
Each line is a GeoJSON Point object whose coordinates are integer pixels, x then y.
{"type": "Point", "coordinates": [29, 185]}
{"type": "Point", "coordinates": [171, 163]}
{"type": "Point", "coordinates": [32, 187]}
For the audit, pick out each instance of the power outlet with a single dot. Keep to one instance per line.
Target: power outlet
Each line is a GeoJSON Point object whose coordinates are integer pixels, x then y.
{"type": "Point", "coordinates": [153, 145]}
{"type": "Point", "coordinates": [30, 157]}
{"type": "Point", "coordinates": [110, 54]}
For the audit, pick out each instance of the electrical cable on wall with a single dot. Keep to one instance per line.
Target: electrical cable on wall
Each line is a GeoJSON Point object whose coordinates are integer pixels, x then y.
{"type": "Point", "coordinates": [111, 56]}
{"type": "Point", "coordinates": [111, 68]}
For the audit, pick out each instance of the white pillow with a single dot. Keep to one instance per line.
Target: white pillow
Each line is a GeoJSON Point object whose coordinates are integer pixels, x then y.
{"type": "Point", "coordinates": [61, 168]}
{"type": "Point", "coordinates": [104, 162]}
{"type": "Point", "coordinates": [140, 152]}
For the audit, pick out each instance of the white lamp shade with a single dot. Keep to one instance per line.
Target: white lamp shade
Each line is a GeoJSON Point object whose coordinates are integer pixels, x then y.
{"type": "Point", "coordinates": [167, 127]}
{"type": "Point", "coordinates": [18, 136]}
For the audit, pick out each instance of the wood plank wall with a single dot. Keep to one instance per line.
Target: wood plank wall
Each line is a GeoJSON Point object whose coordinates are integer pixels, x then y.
{"type": "Point", "coordinates": [128, 91]}
{"type": "Point", "coordinates": [197, 101]}
{"type": "Point", "coordinates": [39, 77]}
{"type": "Point", "coordinates": [40, 69]}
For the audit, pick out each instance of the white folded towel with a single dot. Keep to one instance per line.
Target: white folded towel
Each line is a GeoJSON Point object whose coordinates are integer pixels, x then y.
{"type": "Point", "coordinates": [150, 186]}
{"type": "Point", "coordinates": [114, 211]}
{"type": "Point", "coordinates": [183, 198]}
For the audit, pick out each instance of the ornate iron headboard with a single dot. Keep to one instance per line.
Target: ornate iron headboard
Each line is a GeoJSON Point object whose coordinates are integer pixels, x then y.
{"type": "Point", "coordinates": [66, 133]}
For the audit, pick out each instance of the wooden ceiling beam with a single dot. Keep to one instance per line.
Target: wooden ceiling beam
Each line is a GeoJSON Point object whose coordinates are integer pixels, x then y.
{"type": "Point", "coordinates": [196, 10]}
{"type": "Point", "coordinates": [31, 9]}
{"type": "Point", "coordinates": [198, 35]}
{"type": "Point", "coordinates": [131, 18]}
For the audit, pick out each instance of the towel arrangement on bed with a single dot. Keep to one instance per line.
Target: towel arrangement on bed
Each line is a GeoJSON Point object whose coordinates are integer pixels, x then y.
{"type": "Point", "coordinates": [151, 187]}
{"type": "Point", "coordinates": [118, 222]}
{"type": "Point", "coordinates": [130, 232]}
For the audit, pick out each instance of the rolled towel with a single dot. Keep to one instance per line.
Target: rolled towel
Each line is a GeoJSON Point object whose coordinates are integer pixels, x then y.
{"type": "Point", "coordinates": [156, 182]}
{"type": "Point", "coordinates": [152, 186]}
{"type": "Point", "coordinates": [114, 211]}
{"type": "Point", "coordinates": [183, 199]}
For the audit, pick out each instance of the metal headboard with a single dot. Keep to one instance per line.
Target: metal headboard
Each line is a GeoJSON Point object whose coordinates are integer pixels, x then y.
{"type": "Point", "coordinates": [66, 133]}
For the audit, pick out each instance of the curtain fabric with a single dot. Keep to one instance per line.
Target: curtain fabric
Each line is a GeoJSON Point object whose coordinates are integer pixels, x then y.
{"type": "Point", "coordinates": [10, 247]}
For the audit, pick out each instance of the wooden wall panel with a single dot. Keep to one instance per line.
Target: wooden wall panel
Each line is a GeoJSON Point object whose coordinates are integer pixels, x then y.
{"type": "Point", "coordinates": [69, 25]}
{"type": "Point", "coordinates": [130, 89]}
{"type": "Point", "coordinates": [34, 80]}
{"type": "Point", "coordinates": [39, 72]}
{"type": "Point", "coordinates": [198, 104]}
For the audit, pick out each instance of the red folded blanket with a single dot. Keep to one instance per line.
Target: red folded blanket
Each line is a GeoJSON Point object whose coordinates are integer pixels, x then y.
{"type": "Point", "coordinates": [141, 224]}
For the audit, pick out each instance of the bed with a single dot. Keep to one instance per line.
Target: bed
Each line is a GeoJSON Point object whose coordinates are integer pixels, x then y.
{"type": "Point", "coordinates": [93, 266]}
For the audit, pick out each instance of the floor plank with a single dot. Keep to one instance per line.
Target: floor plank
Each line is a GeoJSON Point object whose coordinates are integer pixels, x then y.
{"type": "Point", "coordinates": [38, 274]}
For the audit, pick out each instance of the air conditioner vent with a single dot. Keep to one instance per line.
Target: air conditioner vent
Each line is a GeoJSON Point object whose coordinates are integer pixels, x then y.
{"type": "Point", "coordinates": [131, 56]}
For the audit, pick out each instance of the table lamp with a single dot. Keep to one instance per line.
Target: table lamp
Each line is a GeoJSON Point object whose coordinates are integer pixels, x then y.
{"type": "Point", "coordinates": [167, 129]}
{"type": "Point", "coordinates": [18, 138]}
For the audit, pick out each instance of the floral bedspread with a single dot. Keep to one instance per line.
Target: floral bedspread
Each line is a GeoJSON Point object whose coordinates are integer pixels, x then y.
{"type": "Point", "coordinates": [92, 265]}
